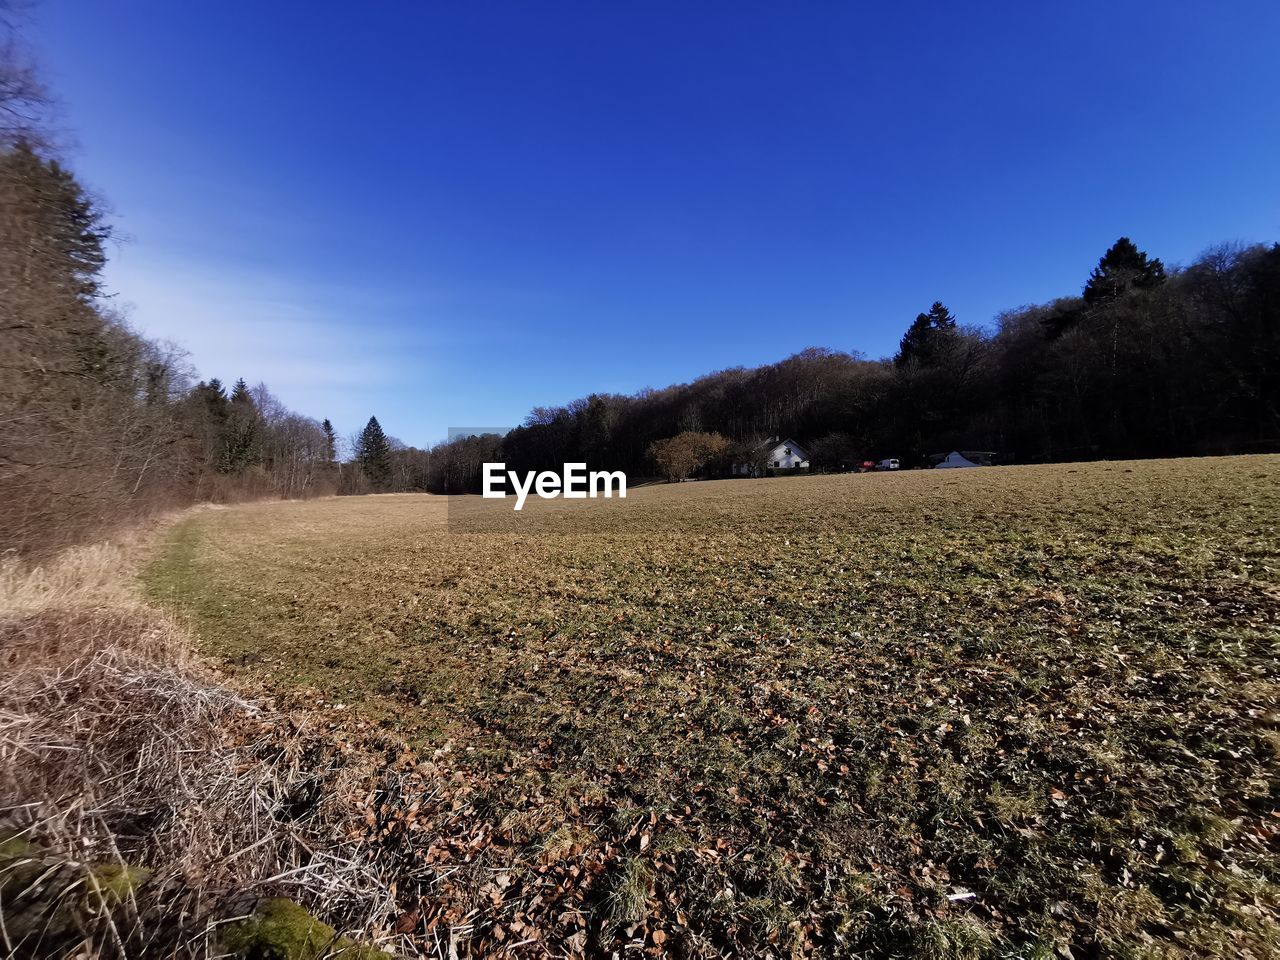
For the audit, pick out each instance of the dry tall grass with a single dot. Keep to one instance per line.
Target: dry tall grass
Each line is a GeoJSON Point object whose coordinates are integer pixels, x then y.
{"type": "Point", "coordinates": [143, 808]}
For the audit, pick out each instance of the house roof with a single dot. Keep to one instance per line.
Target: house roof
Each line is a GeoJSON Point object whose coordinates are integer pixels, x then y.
{"type": "Point", "coordinates": [979, 457]}
{"type": "Point", "coordinates": [774, 442]}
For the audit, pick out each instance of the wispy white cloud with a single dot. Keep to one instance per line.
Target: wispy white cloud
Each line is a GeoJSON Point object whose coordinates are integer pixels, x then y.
{"type": "Point", "coordinates": [325, 349]}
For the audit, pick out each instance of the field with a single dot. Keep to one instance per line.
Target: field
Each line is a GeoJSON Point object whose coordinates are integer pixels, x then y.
{"type": "Point", "coordinates": [1024, 711]}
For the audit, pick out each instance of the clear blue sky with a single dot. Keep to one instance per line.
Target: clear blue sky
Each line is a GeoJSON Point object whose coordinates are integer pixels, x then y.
{"type": "Point", "coordinates": [445, 213]}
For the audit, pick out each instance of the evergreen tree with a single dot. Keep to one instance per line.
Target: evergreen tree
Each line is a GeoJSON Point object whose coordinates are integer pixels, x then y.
{"type": "Point", "coordinates": [1122, 268]}
{"type": "Point", "coordinates": [940, 318]}
{"type": "Point", "coordinates": [922, 338]}
{"type": "Point", "coordinates": [594, 433]}
{"type": "Point", "coordinates": [213, 398]}
{"type": "Point", "coordinates": [241, 447]}
{"type": "Point", "coordinates": [52, 251]}
{"type": "Point", "coordinates": [330, 441]}
{"type": "Point", "coordinates": [373, 453]}
{"type": "Point", "coordinates": [72, 231]}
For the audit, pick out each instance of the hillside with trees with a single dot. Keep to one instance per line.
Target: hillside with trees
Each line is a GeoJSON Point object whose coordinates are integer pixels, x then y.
{"type": "Point", "coordinates": [99, 425]}
{"type": "Point", "coordinates": [1144, 362]}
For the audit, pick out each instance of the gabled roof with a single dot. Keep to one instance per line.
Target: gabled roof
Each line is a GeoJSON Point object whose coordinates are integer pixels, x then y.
{"type": "Point", "coordinates": [784, 442]}
{"type": "Point", "coordinates": [955, 459]}
{"type": "Point", "coordinates": [979, 458]}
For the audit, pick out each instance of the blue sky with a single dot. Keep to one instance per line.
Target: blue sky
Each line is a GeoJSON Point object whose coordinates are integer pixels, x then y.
{"type": "Point", "coordinates": [445, 213]}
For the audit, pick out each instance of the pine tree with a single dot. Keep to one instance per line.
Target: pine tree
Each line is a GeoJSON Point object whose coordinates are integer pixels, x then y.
{"type": "Point", "coordinates": [595, 430]}
{"type": "Point", "coordinates": [940, 318]}
{"type": "Point", "coordinates": [241, 447]}
{"type": "Point", "coordinates": [1122, 268]}
{"type": "Point", "coordinates": [922, 338]}
{"type": "Point", "coordinates": [330, 441]}
{"type": "Point", "coordinates": [52, 250]}
{"type": "Point", "coordinates": [213, 397]}
{"type": "Point", "coordinates": [73, 232]}
{"type": "Point", "coordinates": [373, 453]}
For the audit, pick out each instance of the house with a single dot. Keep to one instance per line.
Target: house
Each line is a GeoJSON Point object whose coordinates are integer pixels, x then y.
{"type": "Point", "coordinates": [966, 458]}
{"type": "Point", "coordinates": [776, 453]}
{"type": "Point", "coordinates": [953, 460]}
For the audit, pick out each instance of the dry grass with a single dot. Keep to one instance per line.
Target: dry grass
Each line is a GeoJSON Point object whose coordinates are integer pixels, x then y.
{"type": "Point", "coordinates": [81, 577]}
{"type": "Point", "coordinates": [90, 577]}
{"type": "Point", "coordinates": [143, 809]}
{"type": "Point", "coordinates": [1005, 711]}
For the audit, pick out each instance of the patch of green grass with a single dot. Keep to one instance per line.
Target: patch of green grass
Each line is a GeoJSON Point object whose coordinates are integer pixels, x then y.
{"type": "Point", "coordinates": [628, 891]}
{"type": "Point", "coordinates": [960, 939]}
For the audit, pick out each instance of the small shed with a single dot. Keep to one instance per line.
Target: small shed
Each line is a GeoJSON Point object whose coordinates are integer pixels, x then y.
{"type": "Point", "coordinates": [953, 460]}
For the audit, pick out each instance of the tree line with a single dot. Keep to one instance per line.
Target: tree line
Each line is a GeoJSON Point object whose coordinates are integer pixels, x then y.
{"type": "Point", "coordinates": [100, 425]}
{"type": "Point", "coordinates": [97, 423]}
{"type": "Point", "coordinates": [1144, 362]}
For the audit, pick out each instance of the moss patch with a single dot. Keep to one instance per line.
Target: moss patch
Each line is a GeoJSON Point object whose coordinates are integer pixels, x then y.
{"type": "Point", "coordinates": [115, 882]}
{"type": "Point", "coordinates": [281, 930]}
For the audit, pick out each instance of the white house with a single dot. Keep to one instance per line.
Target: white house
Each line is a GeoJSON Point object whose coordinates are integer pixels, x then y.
{"type": "Point", "coordinates": [954, 460]}
{"type": "Point", "coordinates": [776, 453]}
{"type": "Point", "coordinates": [964, 458]}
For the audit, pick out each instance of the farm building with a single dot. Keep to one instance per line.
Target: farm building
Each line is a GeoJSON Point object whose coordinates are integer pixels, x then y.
{"type": "Point", "coordinates": [965, 458]}
{"type": "Point", "coordinates": [776, 453]}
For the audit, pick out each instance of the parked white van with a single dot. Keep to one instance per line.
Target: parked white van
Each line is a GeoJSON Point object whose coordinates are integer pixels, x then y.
{"type": "Point", "coordinates": [890, 464]}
